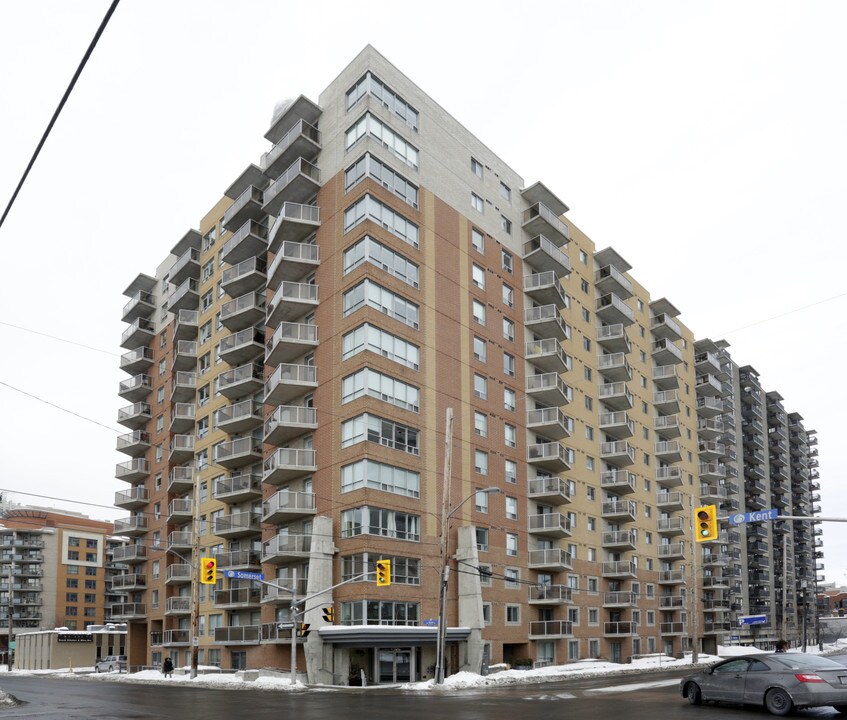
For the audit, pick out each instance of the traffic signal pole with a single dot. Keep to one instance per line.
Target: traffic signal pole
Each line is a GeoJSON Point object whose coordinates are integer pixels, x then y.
{"type": "Point", "coordinates": [195, 583]}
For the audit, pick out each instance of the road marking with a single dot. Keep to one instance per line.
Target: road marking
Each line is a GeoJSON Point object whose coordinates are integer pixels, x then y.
{"type": "Point", "coordinates": [557, 696]}
{"type": "Point", "coordinates": [634, 686]}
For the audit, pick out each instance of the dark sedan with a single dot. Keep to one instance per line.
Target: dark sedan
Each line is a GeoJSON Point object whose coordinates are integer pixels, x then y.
{"type": "Point", "coordinates": [782, 682]}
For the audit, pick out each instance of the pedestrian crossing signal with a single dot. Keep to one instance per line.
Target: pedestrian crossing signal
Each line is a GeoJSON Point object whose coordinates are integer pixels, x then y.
{"type": "Point", "coordinates": [208, 571]}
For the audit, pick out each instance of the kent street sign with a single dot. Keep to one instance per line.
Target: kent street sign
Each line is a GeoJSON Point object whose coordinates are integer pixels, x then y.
{"type": "Point", "coordinates": [243, 575]}
{"type": "Point", "coordinates": [760, 516]}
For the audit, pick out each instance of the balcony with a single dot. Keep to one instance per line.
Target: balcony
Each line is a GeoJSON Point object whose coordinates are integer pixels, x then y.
{"type": "Point", "coordinates": [709, 450]}
{"type": "Point", "coordinates": [552, 456]}
{"type": "Point", "coordinates": [282, 549]}
{"type": "Point", "coordinates": [250, 240]}
{"type": "Point", "coordinates": [238, 453]}
{"type": "Point", "coordinates": [292, 300]}
{"type": "Point", "coordinates": [181, 480]}
{"type": "Point", "coordinates": [669, 477]}
{"type": "Point", "coordinates": [243, 346]}
{"type": "Point", "coordinates": [668, 451]}
{"type": "Point", "coordinates": [238, 488]}
{"type": "Point", "coordinates": [672, 551]}
{"type": "Point", "coordinates": [615, 396]}
{"type": "Point", "coordinates": [135, 525]}
{"type": "Point", "coordinates": [240, 598]}
{"type": "Point", "coordinates": [716, 582]}
{"type": "Point", "coordinates": [665, 377]}
{"type": "Point", "coordinates": [669, 501]}
{"type": "Point", "coordinates": [540, 220]}
{"type": "Point", "coordinates": [288, 422]}
{"type": "Point", "coordinates": [545, 288]}
{"type": "Point", "coordinates": [620, 629]}
{"type": "Point", "coordinates": [135, 361]}
{"type": "Point", "coordinates": [247, 276]}
{"type": "Point", "coordinates": [552, 524]}
{"type": "Point", "coordinates": [182, 449]}
{"type": "Point", "coordinates": [130, 554]}
{"type": "Point", "coordinates": [239, 560]}
{"type": "Point", "coordinates": [176, 638]}
{"type": "Point", "coordinates": [135, 388]}
{"type": "Point", "coordinates": [247, 206]}
{"type": "Point", "coordinates": [185, 296]}
{"type": "Point", "coordinates": [618, 569]}
{"type": "Point", "coordinates": [180, 510]}
{"type": "Point", "coordinates": [709, 429]}
{"type": "Point", "coordinates": [289, 382]}
{"type": "Point", "coordinates": [708, 407]}
{"type": "Point", "coordinates": [619, 510]}
{"type": "Point", "coordinates": [132, 499]}
{"type": "Point", "coordinates": [298, 183]}
{"type": "Point", "coordinates": [712, 471]}
{"type": "Point", "coordinates": [548, 389]}
{"type": "Point", "coordinates": [185, 355]}
{"type": "Point", "coordinates": [617, 425]}
{"type": "Point", "coordinates": [287, 464]}
{"type": "Point", "coordinates": [614, 367]}
{"type": "Point", "coordinates": [134, 416]}
{"type": "Point", "coordinates": [139, 334]}
{"type": "Point", "coordinates": [287, 505]}
{"type": "Point", "coordinates": [243, 312]}
{"type": "Point", "coordinates": [672, 577]}
{"type": "Point", "coordinates": [186, 325]}
{"type": "Point", "coordinates": [618, 540]}
{"type": "Point", "coordinates": [178, 574]}
{"type": "Point", "coordinates": [714, 559]}
{"type": "Point", "coordinates": [547, 355]}
{"type": "Point", "coordinates": [620, 599]}
{"type": "Point", "coordinates": [141, 305]}
{"type": "Point", "coordinates": [132, 471]}
{"type": "Point", "coordinates": [180, 540]}
{"type": "Point", "coordinates": [554, 559]}
{"type": "Point", "coordinates": [134, 444]}
{"type": "Point", "coordinates": [670, 526]}
{"type": "Point", "coordinates": [550, 629]}
{"type": "Point", "coordinates": [129, 611]}
{"type": "Point", "coordinates": [666, 401]}
{"type": "Point", "coordinates": [186, 266]}
{"type": "Point", "coordinates": [550, 422]}
{"type": "Point", "coordinates": [543, 255]}
{"type": "Point", "coordinates": [612, 338]}
{"type": "Point", "coordinates": [290, 341]}
{"type": "Point", "coordinates": [182, 418]}
{"type": "Point", "coordinates": [673, 628]}
{"type": "Point", "coordinates": [712, 494]}
{"type": "Point", "coordinates": [240, 382]}
{"type": "Point", "coordinates": [550, 489]}
{"type": "Point", "coordinates": [242, 417]}
{"type": "Point", "coordinates": [665, 353]}
{"type": "Point", "coordinates": [619, 453]}
{"type": "Point", "coordinates": [295, 258]}
{"type": "Point", "coordinates": [550, 595]}
{"type": "Point", "coordinates": [612, 310]}
{"type": "Point", "coordinates": [618, 481]}
{"type": "Point", "coordinates": [236, 525]}
{"type": "Point", "coordinates": [546, 321]}
{"type": "Point", "coordinates": [184, 387]}
{"type": "Point", "coordinates": [708, 385]}
{"type": "Point", "coordinates": [302, 140]}
{"type": "Point", "coordinates": [665, 327]}
{"type": "Point", "coordinates": [667, 426]}
{"type": "Point", "coordinates": [707, 362]}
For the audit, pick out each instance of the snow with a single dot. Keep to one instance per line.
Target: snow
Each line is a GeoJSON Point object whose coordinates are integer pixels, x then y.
{"type": "Point", "coordinates": [281, 681]}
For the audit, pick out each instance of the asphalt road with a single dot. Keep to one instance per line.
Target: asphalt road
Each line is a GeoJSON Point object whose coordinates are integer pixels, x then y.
{"type": "Point", "coordinates": [635, 697]}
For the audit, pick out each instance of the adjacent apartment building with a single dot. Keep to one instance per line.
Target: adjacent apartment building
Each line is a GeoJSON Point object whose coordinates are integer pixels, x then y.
{"type": "Point", "coordinates": [290, 368]}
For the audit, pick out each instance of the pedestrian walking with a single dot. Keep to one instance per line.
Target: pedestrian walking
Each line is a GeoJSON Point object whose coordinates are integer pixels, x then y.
{"type": "Point", "coordinates": [168, 668]}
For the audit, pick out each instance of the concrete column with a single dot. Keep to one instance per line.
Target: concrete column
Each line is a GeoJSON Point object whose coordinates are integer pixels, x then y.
{"type": "Point", "coordinates": [470, 598]}
{"type": "Point", "coordinates": [319, 660]}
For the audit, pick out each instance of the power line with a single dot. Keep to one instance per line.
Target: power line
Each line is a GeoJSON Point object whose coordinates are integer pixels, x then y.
{"type": "Point", "coordinates": [61, 105]}
{"type": "Point", "coordinates": [59, 407]}
{"type": "Point", "coordinates": [54, 337]}
{"type": "Point", "coordinates": [787, 312]}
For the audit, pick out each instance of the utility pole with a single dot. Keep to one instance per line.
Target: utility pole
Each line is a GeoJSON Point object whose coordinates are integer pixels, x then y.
{"type": "Point", "coordinates": [293, 626]}
{"type": "Point", "coordinates": [441, 637]}
{"type": "Point", "coordinates": [11, 606]}
{"type": "Point", "coordinates": [695, 549]}
{"type": "Point", "coordinates": [195, 582]}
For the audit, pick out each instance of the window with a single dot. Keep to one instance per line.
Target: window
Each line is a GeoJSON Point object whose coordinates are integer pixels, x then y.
{"type": "Point", "coordinates": [369, 166]}
{"type": "Point", "coordinates": [208, 270]}
{"type": "Point", "coordinates": [589, 403]}
{"type": "Point", "coordinates": [589, 432]}
{"type": "Point", "coordinates": [511, 471]}
{"type": "Point", "coordinates": [586, 343]}
{"type": "Point", "coordinates": [372, 428]}
{"type": "Point", "coordinates": [511, 577]}
{"type": "Point", "coordinates": [482, 539]}
{"type": "Point", "coordinates": [480, 424]}
{"type": "Point", "coordinates": [477, 203]}
{"type": "Point", "coordinates": [583, 257]}
{"type": "Point", "coordinates": [513, 614]}
{"type": "Point", "coordinates": [478, 276]}
{"type": "Point", "coordinates": [589, 463]}
{"type": "Point", "coordinates": [591, 524]}
{"type": "Point", "coordinates": [508, 329]}
{"type": "Point", "coordinates": [481, 502]}
{"type": "Point", "coordinates": [573, 615]}
{"type": "Point", "coordinates": [368, 473]}
{"type": "Point", "coordinates": [505, 191]}
{"type": "Point", "coordinates": [484, 574]}
{"type": "Point", "coordinates": [511, 544]}
{"type": "Point", "coordinates": [160, 423]}
{"type": "Point", "coordinates": [478, 312]}
{"type": "Point", "coordinates": [382, 387]}
{"type": "Point", "coordinates": [480, 462]}
{"type": "Point", "coordinates": [476, 167]}
{"type": "Point", "coordinates": [506, 225]}
{"type": "Point", "coordinates": [590, 492]}
{"type": "Point", "coordinates": [369, 337]}
{"type": "Point", "coordinates": [508, 263]}
{"type": "Point", "coordinates": [586, 316]}
{"type": "Point", "coordinates": [480, 349]}
{"type": "Point", "coordinates": [593, 616]}
{"type": "Point", "coordinates": [369, 293]}
{"type": "Point", "coordinates": [509, 398]}
{"type": "Point", "coordinates": [206, 332]}
{"type": "Point", "coordinates": [206, 300]}
{"type": "Point", "coordinates": [510, 433]}
{"type": "Point", "coordinates": [209, 239]}
{"type": "Point", "coordinates": [160, 395]}
{"type": "Point", "coordinates": [509, 364]}
{"type": "Point", "coordinates": [512, 508]}
{"type": "Point", "coordinates": [480, 386]}
{"type": "Point", "coordinates": [369, 208]}
{"type": "Point", "coordinates": [380, 612]}
{"type": "Point", "coordinates": [369, 84]}
{"type": "Point", "coordinates": [377, 521]}
{"type": "Point", "coordinates": [163, 339]}
{"type": "Point", "coordinates": [593, 585]}
{"type": "Point", "coordinates": [369, 250]}
{"type": "Point", "coordinates": [203, 427]}
{"type": "Point", "coordinates": [508, 296]}
{"type": "Point", "coordinates": [370, 125]}
{"type": "Point", "coordinates": [203, 395]}
{"type": "Point", "coordinates": [477, 240]}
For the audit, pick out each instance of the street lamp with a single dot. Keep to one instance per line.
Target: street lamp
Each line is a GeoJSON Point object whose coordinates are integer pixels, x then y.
{"type": "Point", "coordinates": [441, 638]}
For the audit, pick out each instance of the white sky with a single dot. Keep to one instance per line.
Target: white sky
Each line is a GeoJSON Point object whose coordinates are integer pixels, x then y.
{"type": "Point", "coordinates": [704, 141]}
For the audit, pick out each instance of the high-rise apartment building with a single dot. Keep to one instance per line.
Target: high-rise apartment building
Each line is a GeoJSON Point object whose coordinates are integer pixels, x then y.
{"type": "Point", "coordinates": [292, 364]}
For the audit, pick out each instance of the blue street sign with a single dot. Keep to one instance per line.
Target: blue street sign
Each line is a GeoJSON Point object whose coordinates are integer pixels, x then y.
{"type": "Point", "coordinates": [243, 575]}
{"type": "Point", "coordinates": [431, 623]}
{"type": "Point", "coordinates": [752, 619]}
{"type": "Point", "coordinates": [760, 516]}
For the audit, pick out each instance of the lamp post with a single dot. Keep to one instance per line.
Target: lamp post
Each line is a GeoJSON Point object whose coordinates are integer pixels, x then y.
{"type": "Point", "coordinates": [441, 638]}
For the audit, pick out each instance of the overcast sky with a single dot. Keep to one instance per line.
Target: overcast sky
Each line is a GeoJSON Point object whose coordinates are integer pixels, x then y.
{"type": "Point", "coordinates": [704, 141]}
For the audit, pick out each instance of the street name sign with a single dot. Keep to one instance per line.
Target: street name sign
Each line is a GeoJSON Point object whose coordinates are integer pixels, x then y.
{"type": "Point", "coordinates": [752, 619]}
{"type": "Point", "coordinates": [760, 516]}
{"type": "Point", "coordinates": [243, 575]}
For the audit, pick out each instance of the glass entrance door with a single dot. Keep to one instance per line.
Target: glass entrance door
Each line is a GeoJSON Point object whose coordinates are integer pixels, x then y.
{"type": "Point", "coordinates": [395, 666]}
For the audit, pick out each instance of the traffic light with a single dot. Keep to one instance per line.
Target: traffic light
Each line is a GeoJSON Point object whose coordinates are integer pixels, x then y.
{"type": "Point", "coordinates": [303, 630]}
{"type": "Point", "coordinates": [329, 614]}
{"type": "Point", "coordinates": [706, 523]}
{"type": "Point", "coordinates": [208, 571]}
{"type": "Point", "coordinates": [383, 573]}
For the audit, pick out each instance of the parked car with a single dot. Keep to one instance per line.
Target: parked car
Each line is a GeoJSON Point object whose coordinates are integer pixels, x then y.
{"type": "Point", "coordinates": [782, 682]}
{"type": "Point", "coordinates": [110, 663]}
